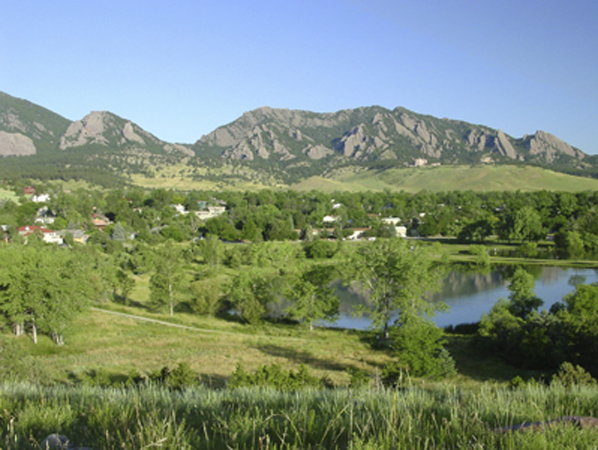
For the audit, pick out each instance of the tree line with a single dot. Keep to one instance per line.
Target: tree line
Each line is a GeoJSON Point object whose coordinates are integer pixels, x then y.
{"type": "Point", "coordinates": [270, 215]}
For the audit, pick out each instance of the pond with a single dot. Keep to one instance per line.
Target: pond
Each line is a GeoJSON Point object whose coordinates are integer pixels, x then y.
{"type": "Point", "coordinates": [469, 295]}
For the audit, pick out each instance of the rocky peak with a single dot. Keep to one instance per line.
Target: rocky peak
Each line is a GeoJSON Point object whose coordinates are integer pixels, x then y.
{"type": "Point", "coordinates": [542, 143]}
{"type": "Point", "coordinates": [88, 130]}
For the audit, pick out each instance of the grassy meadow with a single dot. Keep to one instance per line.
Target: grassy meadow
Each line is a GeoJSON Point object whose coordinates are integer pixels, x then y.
{"type": "Point", "coordinates": [448, 178]}
{"type": "Point", "coordinates": [353, 179]}
{"type": "Point", "coordinates": [8, 195]}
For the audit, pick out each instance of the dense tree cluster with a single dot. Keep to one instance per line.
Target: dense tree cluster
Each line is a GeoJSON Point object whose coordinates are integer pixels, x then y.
{"type": "Point", "coordinates": [271, 215]}
{"type": "Point", "coordinates": [543, 340]}
{"type": "Point", "coordinates": [43, 288]}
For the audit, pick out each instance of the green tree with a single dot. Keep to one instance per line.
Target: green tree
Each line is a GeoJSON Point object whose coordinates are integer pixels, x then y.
{"type": "Point", "coordinates": [418, 345]}
{"type": "Point", "coordinates": [119, 233]}
{"type": "Point", "coordinates": [166, 280]}
{"type": "Point", "coordinates": [311, 295]}
{"type": "Point", "coordinates": [126, 284]}
{"type": "Point", "coordinates": [397, 277]}
{"type": "Point", "coordinates": [43, 288]}
{"type": "Point", "coordinates": [205, 296]}
{"type": "Point", "coordinates": [251, 295]}
{"type": "Point", "coordinates": [523, 224]}
{"type": "Point", "coordinates": [212, 250]}
{"type": "Point", "coordinates": [523, 298]}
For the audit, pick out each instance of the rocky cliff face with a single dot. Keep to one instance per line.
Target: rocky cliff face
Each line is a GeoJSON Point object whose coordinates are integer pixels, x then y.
{"type": "Point", "coordinates": [15, 144]}
{"type": "Point", "coordinates": [25, 127]}
{"type": "Point", "coordinates": [108, 130]}
{"type": "Point", "coordinates": [374, 133]}
{"type": "Point", "coordinates": [282, 139]}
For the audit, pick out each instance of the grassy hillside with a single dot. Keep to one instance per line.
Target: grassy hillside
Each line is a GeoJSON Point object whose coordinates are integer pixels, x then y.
{"type": "Point", "coordinates": [212, 347]}
{"type": "Point", "coordinates": [443, 178]}
{"type": "Point", "coordinates": [449, 178]}
{"type": "Point", "coordinates": [475, 178]}
{"type": "Point", "coordinates": [184, 177]}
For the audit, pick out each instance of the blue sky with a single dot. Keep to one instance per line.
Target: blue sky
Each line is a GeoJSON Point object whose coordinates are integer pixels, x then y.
{"type": "Point", "coordinates": [180, 69]}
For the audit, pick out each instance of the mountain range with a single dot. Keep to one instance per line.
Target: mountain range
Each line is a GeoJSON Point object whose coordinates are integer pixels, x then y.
{"type": "Point", "coordinates": [288, 145]}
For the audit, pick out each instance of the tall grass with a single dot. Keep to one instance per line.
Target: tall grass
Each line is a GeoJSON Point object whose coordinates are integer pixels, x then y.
{"type": "Point", "coordinates": [439, 416]}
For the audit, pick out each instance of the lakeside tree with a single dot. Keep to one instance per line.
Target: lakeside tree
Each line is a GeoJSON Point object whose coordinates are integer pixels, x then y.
{"type": "Point", "coordinates": [251, 294]}
{"type": "Point", "coordinates": [398, 277]}
{"type": "Point", "coordinates": [311, 295]}
{"type": "Point", "coordinates": [523, 298]}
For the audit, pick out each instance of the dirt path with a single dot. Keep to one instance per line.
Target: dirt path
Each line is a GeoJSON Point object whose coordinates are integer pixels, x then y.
{"type": "Point", "coordinates": [186, 327]}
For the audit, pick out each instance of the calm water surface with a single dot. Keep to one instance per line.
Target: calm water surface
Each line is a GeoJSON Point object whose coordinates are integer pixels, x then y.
{"type": "Point", "coordinates": [469, 295]}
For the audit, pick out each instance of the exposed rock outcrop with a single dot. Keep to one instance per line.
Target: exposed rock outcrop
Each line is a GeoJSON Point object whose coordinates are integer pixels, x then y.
{"type": "Point", "coordinates": [551, 146]}
{"type": "Point", "coordinates": [88, 130]}
{"type": "Point", "coordinates": [15, 144]}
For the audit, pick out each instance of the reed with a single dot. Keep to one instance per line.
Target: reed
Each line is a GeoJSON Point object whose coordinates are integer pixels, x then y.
{"type": "Point", "coordinates": [424, 417]}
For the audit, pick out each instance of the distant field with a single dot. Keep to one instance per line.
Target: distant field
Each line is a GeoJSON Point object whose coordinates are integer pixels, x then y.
{"type": "Point", "coordinates": [185, 178]}
{"type": "Point", "coordinates": [7, 195]}
{"type": "Point", "coordinates": [461, 178]}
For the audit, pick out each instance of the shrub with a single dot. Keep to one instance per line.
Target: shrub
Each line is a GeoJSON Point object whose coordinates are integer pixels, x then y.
{"type": "Point", "coordinates": [178, 378]}
{"type": "Point", "coordinates": [570, 375]}
{"type": "Point", "coordinates": [181, 377]}
{"type": "Point", "coordinates": [273, 376]}
{"type": "Point", "coordinates": [358, 378]}
{"type": "Point", "coordinates": [516, 382]}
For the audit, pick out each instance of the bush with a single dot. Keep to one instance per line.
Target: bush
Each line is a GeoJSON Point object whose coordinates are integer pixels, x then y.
{"type": "Point", "coordinates": [516, 382]}
{"type": "Point", "coordinates": [358, 378]}
{"type": "Point", "coordinates": [273, 376]}
{"type": "Point", "coordinates": [393, 374]}
{"type": "Point", "coordinates": [570, 375]}
{"type": "Point", "coordinates": [181, 377]}
{"type": "Point", "coordinates": [178, 378]}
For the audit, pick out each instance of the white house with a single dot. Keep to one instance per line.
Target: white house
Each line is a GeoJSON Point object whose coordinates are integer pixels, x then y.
{"type": "Point", "coordinates": [42, 198]}
{"type": "Point", "coordinates": [49, 236]}
{"type": "Point", "coordinates": [330, 219]}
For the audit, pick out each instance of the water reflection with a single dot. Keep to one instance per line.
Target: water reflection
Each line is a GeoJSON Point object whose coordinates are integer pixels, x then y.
{"type": "Point", "coordinates": [471, 294]}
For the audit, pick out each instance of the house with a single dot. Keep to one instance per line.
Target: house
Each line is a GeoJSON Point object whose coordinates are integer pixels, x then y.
{"type": "Point", "coordinates": [29, 190]}
{"type": "Point", "coordinates": [4, 237]}
{"type": "Point", "coordinates": [330, 219]}
{"type": "Point", "coordinates": [42, 198]}
{"type": "Point", "coordinates": [180, 209]}
{"type": "Point", "coordinates": [79, 236]}
{"type": "Point", "coordinates": [44, 216]}
{"type": "Point", "coordinates": [391, 220]}
{"type": "Point", "coordinates": [49, 236]}
{"type": "Point", "coordinates": [401, 231]}
{"type": "Point", "coordinates": [212, 211]}
{"type": "Point", "coordinates": [100, 221]}
{"type": "Point", "coordinates": [357, 233]}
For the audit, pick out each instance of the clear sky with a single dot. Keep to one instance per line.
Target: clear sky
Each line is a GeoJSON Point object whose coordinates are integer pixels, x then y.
{"type": "Point", "coordinates": [181, 68]}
